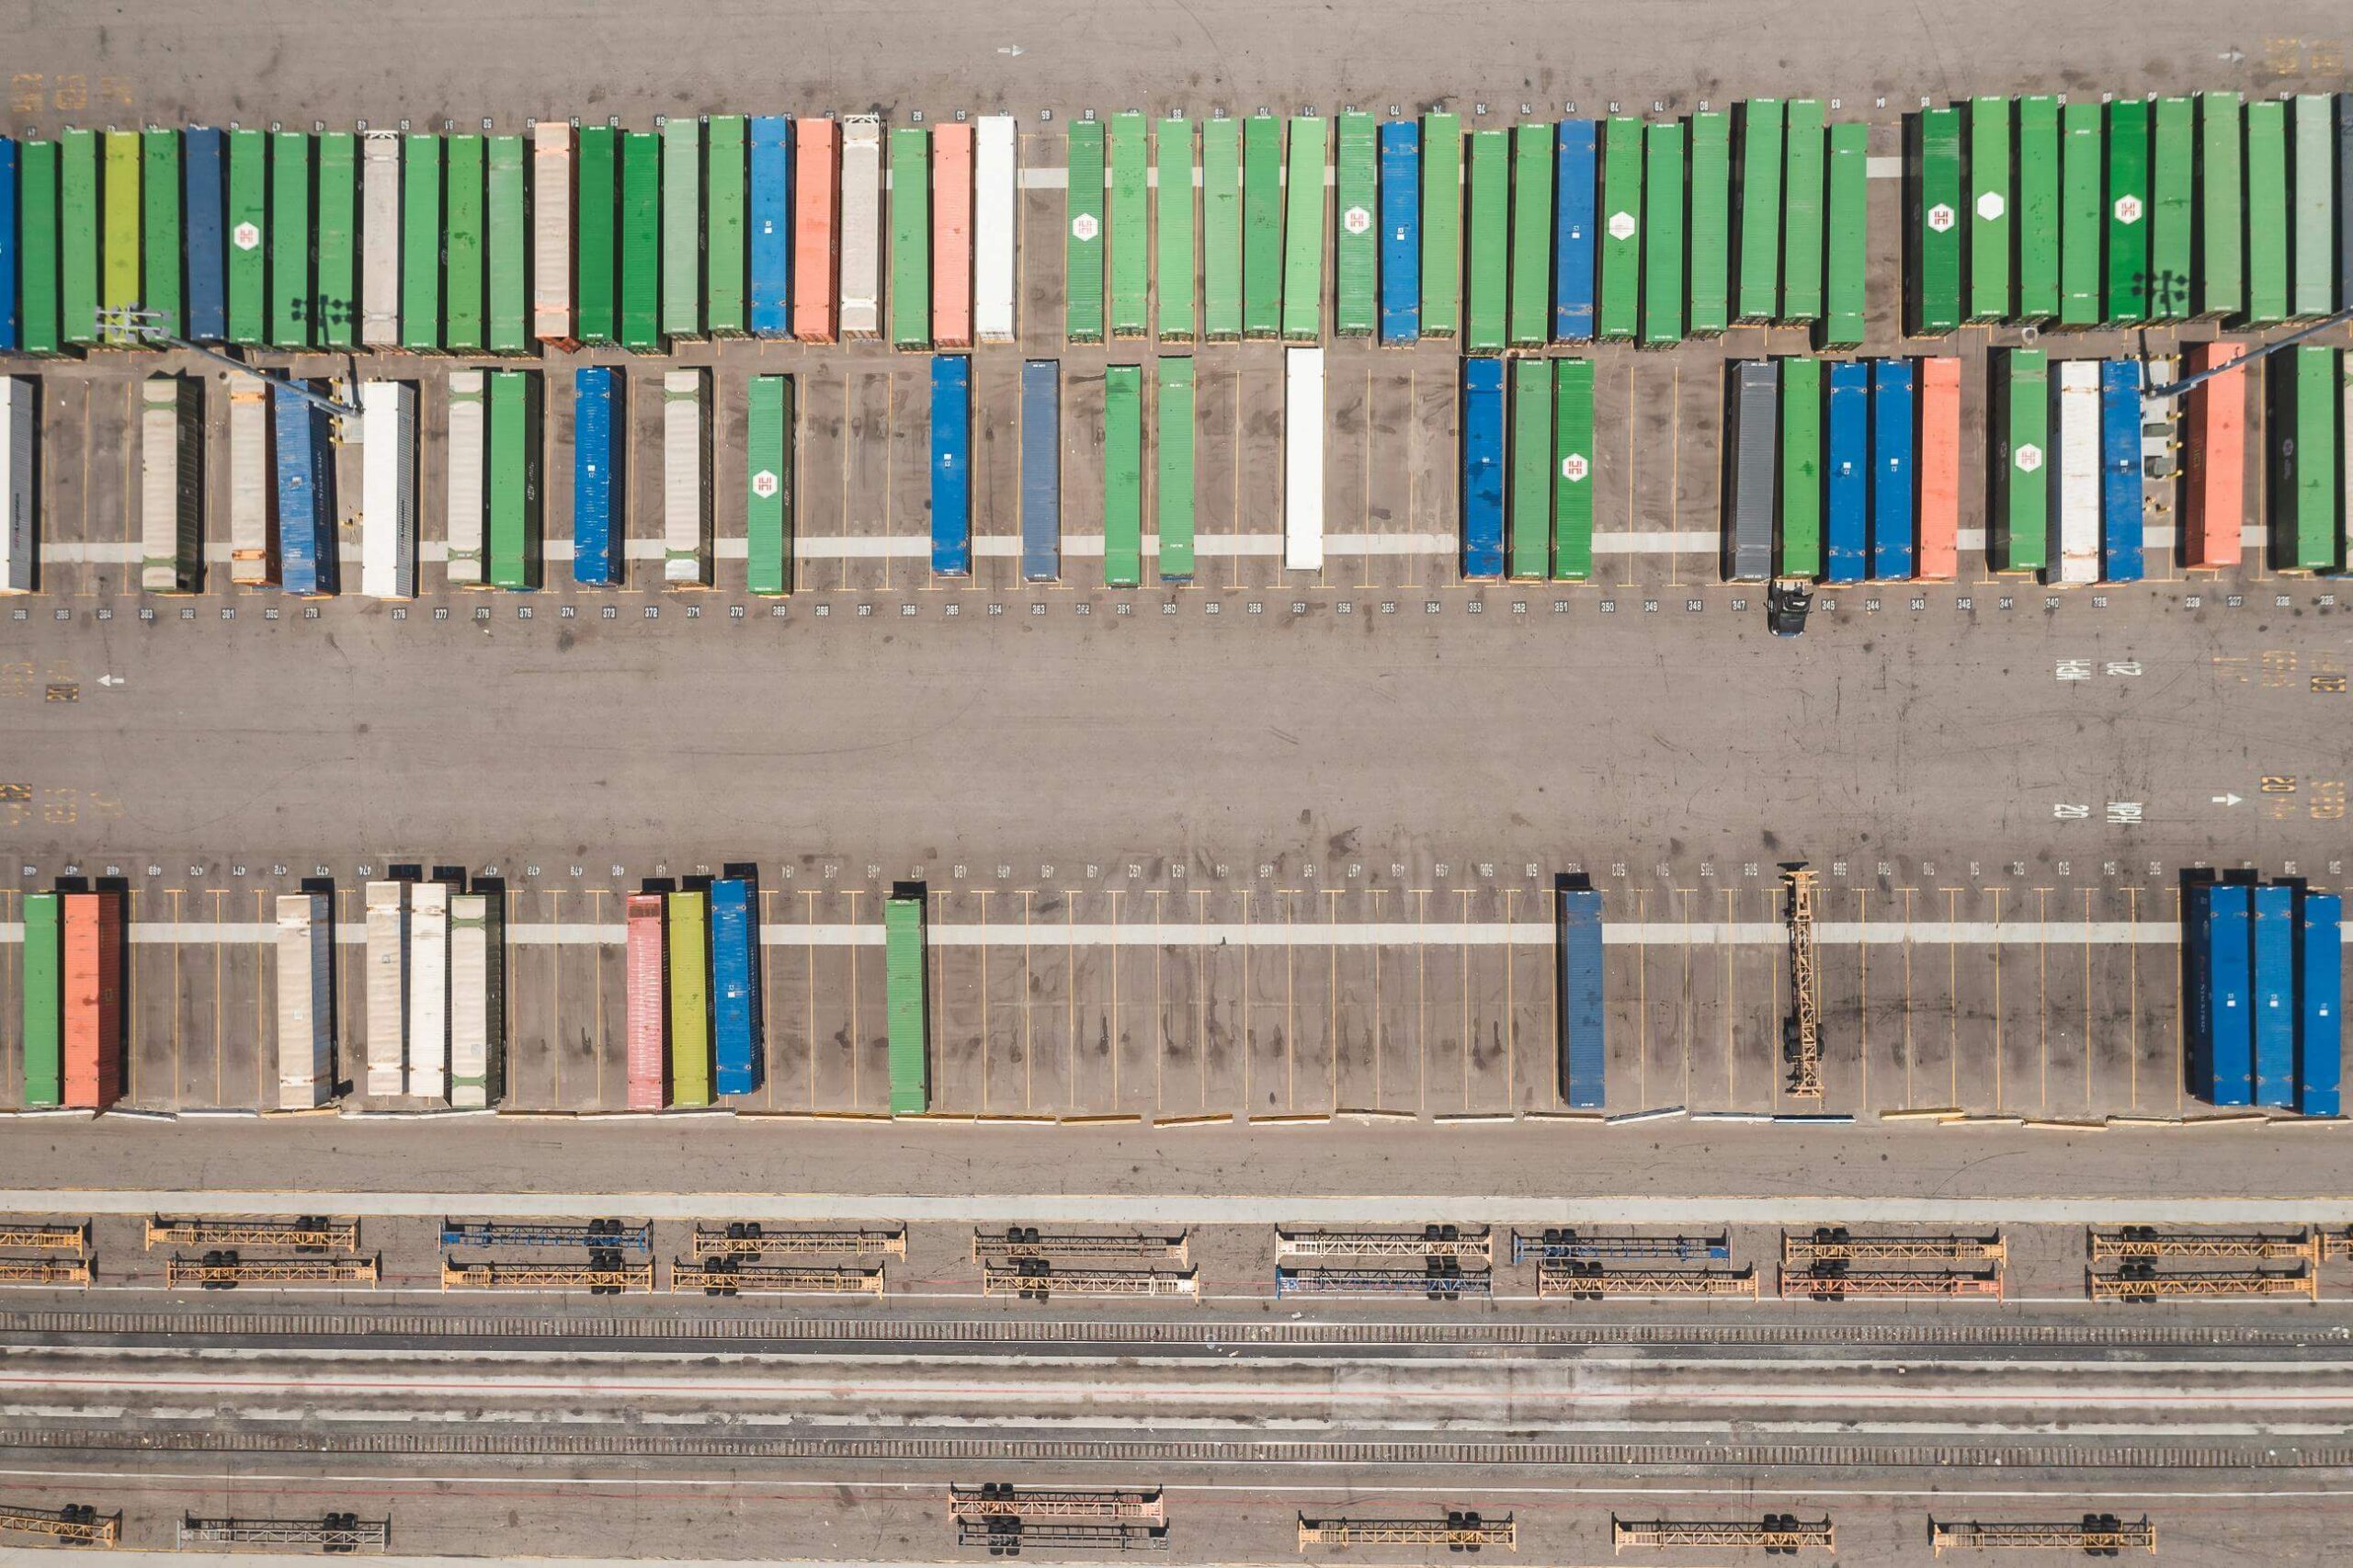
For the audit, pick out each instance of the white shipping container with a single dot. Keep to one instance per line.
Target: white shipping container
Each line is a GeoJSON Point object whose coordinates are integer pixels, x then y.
{"type": "Point", "coordinates": [686, 480]}
{"type": "Point", "coordinates": [551, 230]}
{"type": "Point", "coordinates": [20, 540]}
{"type": "Point", "coordinates": [428, 991]}
{"type": "Point", "coordinates": [388, 490]}
{"type": "Point", "coordinates": [469, 1000]}
{"type": "Point", "coordinates": [387, 957]}
{"type": "Point", "coordinates": [861, 235]}
{"type": "Point", "coordinates": [380, 240]}
{"type": "Point", "coordinates": [994, 224]}
{"type": "Point", "coordinates": [305, 1000]}
{"type": "Point", "coordinates": [466, 411]}
{"type": "Point", "coordinates": [2076, 499]}
{"type": "Point", "coordinates": [1303, 460]}
{"type": "Point", "coordinates": [159, 483]}
{"type": "Point", "coordinates": [249, 477]}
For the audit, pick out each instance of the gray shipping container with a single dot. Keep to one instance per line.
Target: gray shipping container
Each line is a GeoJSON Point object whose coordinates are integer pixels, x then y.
{"type": "Point", "coordinates": [1752, 470]}
{"type": "Point", "coordinates": [1041, 470]}
{"type": "Point", "coordinates": [305, 1001]}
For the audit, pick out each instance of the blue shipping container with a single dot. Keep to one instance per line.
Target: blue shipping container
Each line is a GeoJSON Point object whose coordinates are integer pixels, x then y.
{"type": "Point", "coordinates": [595, 467]}
{"type": "Point", "coordinates": [951, 465]}
{"type": "Point", "coordinates": [7, 246]}
{"type": "Point", "coordinates": [2320, 1007]}
{"type": "Point", "coordinates": [201, 176]}
{"type": "Point", "coordinates": [734, 988]}
{"type": "Point", "coordinates": [1585, 1052]}
{"type": "Point", "coordinates": [1041, 470]}
{"type": "Point", "coordinates": [306, 531]}
{"type": "Point", "coordinates": [2229, 1054]}
{"type": "Point", "coordinates": [1892, 469]}
{"type": "Point", "coordinates": [2275, 996]}
{"type": "Point", "coordinates": [1573, 200]}
{"type": "Point", "coordinates": [2120, 471]}
{"type": "Point", "coordinates": [1482, 469]}
{"type": "Point", "coordinates": [771, 226]}
{"type": "Point", "coordinates": [1849, 471]}
{"type": "Point", "coordinates": [1400, 231]}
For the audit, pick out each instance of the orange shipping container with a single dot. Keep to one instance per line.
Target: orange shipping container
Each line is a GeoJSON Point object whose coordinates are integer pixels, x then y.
{"type": "Point", "coordinates": [93, 999]}
{"type": "Point", "coordinates": [816, 214]}
{"type": "Point", "coordinates": [1940, 470]}
{"type": "Point", "coordinates": [951, 237]}
{"type": "Point", "coordinates": [2215, 461]}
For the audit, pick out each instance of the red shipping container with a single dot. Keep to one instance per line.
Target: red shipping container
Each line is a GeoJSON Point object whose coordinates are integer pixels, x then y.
{"type": "Point", "coordinates": [2214, 462]}
{"type": "Point", "coordinates": [93, 999]}
{"type": "Point", "coordinates": [951, 237]}
{"type": "Point", "coordinates": [649, 1058]}
{"type": "Point", "coordinates": [816, 224]}
{"type": "Point", "coordinates": [1939, 559]}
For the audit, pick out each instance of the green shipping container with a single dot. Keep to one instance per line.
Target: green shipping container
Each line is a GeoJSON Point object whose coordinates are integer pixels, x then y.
{"type": "Point", "coordinates": [77, 243]}
{"type": "Point", "coordinates": [245, 219]}
{"type": "Point", "coordinates": [2173, 180]}
{"type": "Point", "coordinates": [725, 259]}
{"type": "Point", "coordinates": [1356, 246]}
{"type": "Point", "coordinates": [1710, 222]}
{"type": "Point", "coordinates": [1173, 201]}
{"type": "Point", "coordinates": [1802, 229]}
{"type": "Point", "coordinates": [2266, 214]}
{"type": "Point", "coordinates": [420, 243]}
{"type": "Point", "coordinates": [119, 219]}
{"type": "Point", "coordinates": [1935, 174]}
{"type": "Point", "coordinates": [641, 228]}
{"type": "Point", "coordinates": [682, 229]}
{"type": "Point", "coordinates": [1262, 226]}
{"type": "Point", "coordinates": [1531, 236]}
{"type": "Point", "coordinates": [511, 482]}
{"type": "Point", "coordinates": [2128, 211]}
{"type": "Point", "coordinates": [1221, 229]}
{"type": "Point", "coordinates": [910, 237]}
{"type": "Point", "coordinates": [463, 279]}
{"type": "Point", "coordinates": [903, 971]}
{"type": "Point", "coordinates": [334, 296]}
{"type": "Point", "coordinates": [37, 233]}
{"type": "Point", "coordinates": [1663, 236]}
{"type": "Point", "coordinates": [1082, 228]}
{"type": "Point", "coordinates": [768, 483]}
{"type": "Point", "coordinates": [2314, 277]}
{"type": "Point", "coordinates": [1758, 295]}
{"type": "Point", "coordinates": [1989, 209]}
{"type": "Point", "coordinates": [1130, 226]}
{"type": "Point", "coordinates": [1303, 231]}
{"type": "Point", "coordinates": [1441, 225]}
{"type": "Point", "coordinates": [1845, 261]}
{"type": "Point", "coordinates": [2080, 170]}
{"type": "Point", "coordinates": [1532, 469]}
{"type": "Point", "coordinates": [159, 187]}
{"type": "Point", "coordinates": [2038, 251]}
{"type": "Point", "coordinates": [1122, 477]}
{"type": "Point", "coordinates": [2021, 460]}
{"type": "Point", "coordinates": [508, 240]}
{"type": "Point", "coordinates": [1621, 230]}
{"type": "Point", "coordinates": [44, 995]}
{"type": "Point", "coordinates": [290, 289]}
{"type": "Point", "coordinates": [596, 188]}
{"type": "Point", "coordinates": [1483, 315]}
{"type": "Point", "coordinates": [2221, 262]}
{"type": "Point", "coordinates": [1800, 468]}
{"type": "Point", "coordinates": [1173, 495]}
{"type": "Point", "coordinates": [1572, 469]}
{"type": "Point", "coordinates": [2304, 487]}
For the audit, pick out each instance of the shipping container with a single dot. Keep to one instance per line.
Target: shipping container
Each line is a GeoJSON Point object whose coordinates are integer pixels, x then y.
{"type": "Point", "coordinates": [306, 986]}
{"type": "Point", "coordinates": [463, 248]}
{"type": "Point", "coordinates": [2277, 935]}
{"type": "Point", "coordinates": [726, 269]}
{"type": "Point", "coordinates": [77, 236]}
{"type": "Point", "coordinates": [682, 233]}
{"type": "Point", "coordinates": [735, 1039]}
{"type": "Point", "coordinates": [1083, 234]}
{"type": "Point", "coordinates": [1575, 173]}
{"type": "Point", "coordinates": [1800, 540]}
{"type": "Point", "coordinates": [1584, 1011]}
{"type": "Point", "coordinates": [421, 241]}
{"type": "Point", "coordinates": [1356, 246]}
{"type": "Point", "coordinates": [2220, 259]}
{"type": "Point", "coordinates": [768, 226]}
{"type": "Point", "coordinates": [428, 1033]}
{"type": "Point", "coordinates": [2080, 217]}
{"type": "Point", "coordinates": [19, 484]}
{"type": "Point", "coordinates": [905, 978]}
{"type": "Point", "coordinates": [160, 238]}
{"type": "Point", "coordinates": [245, 216]}
{"type": "Point", "coordinates": [1172, 484]}
{"type": "Point", "coordinates": [1122, 477]}
{"type": "Point", "coordinates": [44, 999]}
{"type": "Point", "coordinates": [2303, 429]}
{"type": "Point", "coordinates": [511, 480]}
{"type": "Point", "coordinates": [1939, 471]}
{"type": "Point", "coordinates": [1531, 236]}
{"type": "Point", "coordinates": [1756, 291]}
{"type": "Point", "coordinates": [1933, 174]}
{"type": "Point", "coordinates": [1892, 467]}
{"type": "Point", "coordinates": [1303, 459]}
{"type": "Point", "coordinates": [1130, 225]}
{"type": "Point", "coordinates": [507, 239]}
{"type": "Point", "coordinates": [2320, 1004]}
{"type": "Point", "coordinates": [1622, 236]}
{"type": "Point", "coordinates": [252, 548]}
{"type": "Point", "coordinates": [641, 243]}
{"type": "Point", "coordinates": [996, 223]}
{"type": "Point", "coordinates": [120, 211]}
{"type": "Point", "coordinates": [2127, 212]}
{"type": "Point", "coordinates": [1488, 252]}
{"type": "Point", "coordinates": [290, 289]}
{"type": "Point", "coordinates": [1262, 226]}
{"type": "Point", "coordinates": [2120, 495]}
{"type": "Point", "coordinates": [690, 977]}
{"type": "Point", "coordinates": [910, 237]}
{"type": "Point", "coordinates": [646, 1000]}
{"type": "Point", "coordinates": [465, 469]}
{"type": "Point", "coordinates": [171, 485]}
{"type": "Point", "coordinates": [476, 1054]}
{"type": "Point", "coordinates": [767, 483]}
{"type": "Point", "coordinates": [91, 994]}
{"type": "Point", "coordinates": [595, 277]}
{"type": "Point", "coordinates": [1710, 222]}
{"type": "Point", "coordinates": [1441, 216]}
{"type": "Point", "coordinates": [2214, 459]}
{"type": "Point", "coordinates": [1804, 201]}
{"type": "Point", "coordinates": [380, 240]}
{"type": "Point", "coordinates": [951, 465]}
{"type": "Point", "coordinates": [1530, 505]}
{"type": "Point", "coordinates": [1041, 471]}
{"type": "Point", "coordinates": [599, 420]}
{"type": "Point", "coordinates": [686, 479]}
{"type": "Point", "coordinates": [2268, 296]}
{"type": "Point", "coordinates": [2313, 275]}
{"type": "Point", "coordinates": [2037, 225]}
{"type": "Point", "coordinates": [2222, 1055]}
{"type": "Point", "coordinates": [2076, 479]}
{"type": "Point", "coordinates": [552, 231]}
{"type": "Point", "coordinates": [203, 193]}
{"type": "Point", "coordinates": [1989, 209]}
{"type": "Point", "coordinates": [1173, 195]}
{"type": "Point", "coordinates": [386, 953]}
{"type": "Point", "coordinates": [1572, 469]}
{"type": "Point", "coordinates": [388, 490]}
{"type": "Point", "coordinates": [306, 508]}
{"type": "Point", "coordinates": [334, 282]}
{"type": "Point", "coordinates": [1846, 514]}
{"type": "Point", "coordinates": [2173, 183]}
{"type": "Point", "coordinates": [1663, 236]}
{"type": "Point", "coordinates": [1221, 228]}
{"type": "Point", "coordinates": [951, 235]}
{"type": "Point", "coordinates": [1846, 253]}
{"type": "Point", "coordinates": [1482, 469]}
{"type": "Point", "coordinates": [1752, 426]}
{"type": "Point", "coordinates": [816, 221]}
{"type": "Point", "coordinates": [2020, 384]}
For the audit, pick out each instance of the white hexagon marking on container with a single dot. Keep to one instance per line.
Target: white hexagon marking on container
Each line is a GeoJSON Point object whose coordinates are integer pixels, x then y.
{"type": "Point", "coordinates": [1573, 467]}
{"type": "Point", "coordinates": [244, 236]}
{"type": "Point", "coordinates": [1357, 220]}
{"type": "Point", "coordinates": [765, 483]}
{"type": "Point", "coordinates": [1621, 225]}
{"type": "Point", "coordinates": [2030, 457]}
{"type": "Point", "coordinates": [2127, 209]}
{"type": "Point", "coordinates": [1940, 218]}
{"type": "Point", "coordinates": [1084, 227]}
{"type": "Point", "coordinates": [1991, 206]}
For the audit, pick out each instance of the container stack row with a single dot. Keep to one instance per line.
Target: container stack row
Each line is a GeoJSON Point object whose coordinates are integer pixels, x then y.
{"type": "Point", "coordinates": [2263, 981]}
{"type": "Point", "coordinates": [434, 984]}
{"type": "Point", "coordinates": [693, 996]}
{"type": "Point", "coordinates": [75, 1046]}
